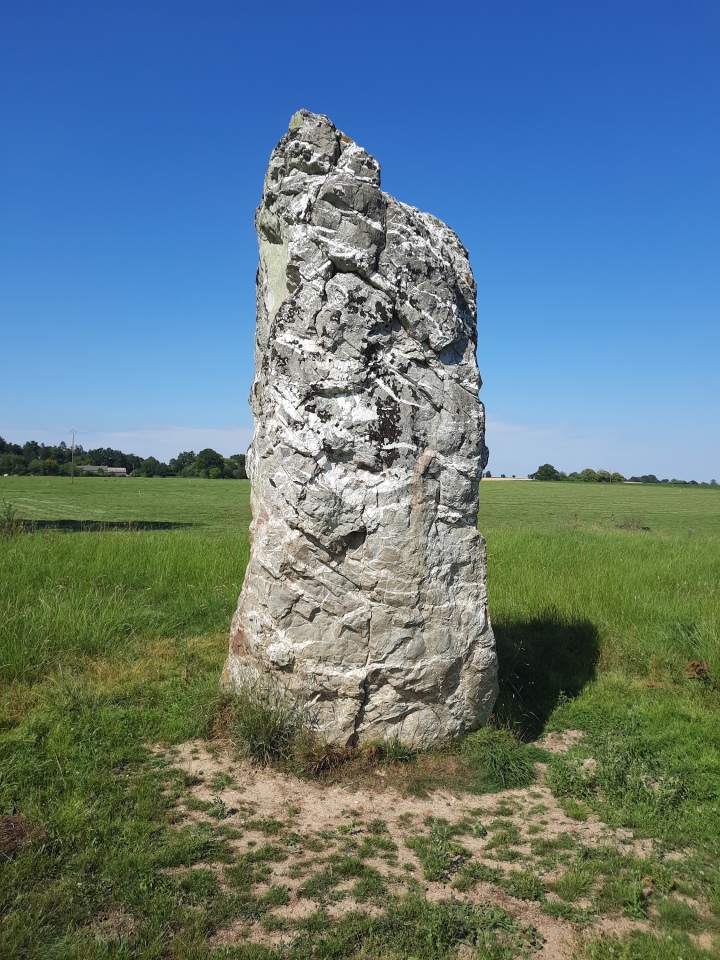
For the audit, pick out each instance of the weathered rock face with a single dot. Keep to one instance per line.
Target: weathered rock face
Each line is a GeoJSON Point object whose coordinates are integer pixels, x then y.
{"type": "Point", "coordinates": [365, 591]}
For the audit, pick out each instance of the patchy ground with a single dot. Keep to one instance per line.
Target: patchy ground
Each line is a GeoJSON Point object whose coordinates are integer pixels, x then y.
{"type": "Point", "coordinates": [301, 849]}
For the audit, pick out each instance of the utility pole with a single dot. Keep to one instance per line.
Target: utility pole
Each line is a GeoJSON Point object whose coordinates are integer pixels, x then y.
{"type": "Point", "coordinates": [72, 458]}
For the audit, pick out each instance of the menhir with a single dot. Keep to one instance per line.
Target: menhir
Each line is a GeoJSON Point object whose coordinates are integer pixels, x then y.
{"type": "Point", "coordinates": [365, 591]}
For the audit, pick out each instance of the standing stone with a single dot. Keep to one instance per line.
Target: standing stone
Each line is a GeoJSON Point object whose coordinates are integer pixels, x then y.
{"type": "Point", "coordinates": [365, 591]}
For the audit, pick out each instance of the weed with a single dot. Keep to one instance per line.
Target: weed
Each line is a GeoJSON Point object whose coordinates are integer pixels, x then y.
{"type": "Point", "coordinates": [373, 845]}
{"type": "Point", "coordinates": [377, 827]}
{"type": "Point", "coordinates": [474, 872]}
{"type": "Point", "coordinates": [568, 779]}
{"type": "Point", "coordinates": [253, 866]}
{"type": "Point", "coordinates": [544, 847]}
{"type": "Point", "coordinates": [413, 927]}
{"type": "Point", "coordinates": [505, 854]}
{"type": "Point", "coordinates": [566, 911]}
{"type": "Point", "coordinates": [10, 524]}
{"type": "Point", "coordinates": [498, 760]}
{"type": "Point", "coordinates": [222, 780]}
{"type": "Point", "coordinates": [439, 856]}
{"type": "Point", "coordinates": [524, 885]}
{"type": "Point", "coordinates": [268, 720]}
{"type": "Point", "coordinates": [218, 809]}
{"type": "Point", "coordinates": [504, 832]}
{"type": "Point", "coordinates": [276, 896]}
{"type": "Point", "coordinates": [394, 750]}
{"type": "Point", "coordinates": [270, 826]}
{"type": "Point", "coordinates": [622, 894]}
{"type": "Point", "coordinates": [645, 946]}
{"type": "Point", "coordinates": [339, 869]}
{"type": "Point", "coordinates": [632, 523]}
{"type": "Point", "coordinates": [574, 809]}
{"type": "Point", "coordinates": [573, 885]}
{"type": "Point", "coordinates": [314, 844]}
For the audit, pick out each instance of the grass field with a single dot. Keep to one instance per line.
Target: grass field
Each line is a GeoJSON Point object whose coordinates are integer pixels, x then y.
{"type": "Point", "coordinates": [115, 617]}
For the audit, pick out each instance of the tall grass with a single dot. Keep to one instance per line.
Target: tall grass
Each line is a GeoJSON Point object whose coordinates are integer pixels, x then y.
{"type": "Point", "coordinates": [66, 596]}
{"type": "Point", "coordinates": [653, 600]}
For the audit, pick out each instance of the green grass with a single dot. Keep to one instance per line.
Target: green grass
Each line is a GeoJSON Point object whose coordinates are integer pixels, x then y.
{"type": "Point", "coordinates": [567, 506]}
{"type": "Point", "coordinates": [114, 640]}
{"type": "Point", "coordinates": [215, 506]}
{"type": "Point", "coordinates": [439, 855]}
{"type": "Point", "coordinates": [65, 597]}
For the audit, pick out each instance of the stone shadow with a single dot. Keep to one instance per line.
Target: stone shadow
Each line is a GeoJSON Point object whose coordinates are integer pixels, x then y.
{"type": "Point", "coordinates": [101, 526]}
{"type": "Point", "coordinates": [541, 661]}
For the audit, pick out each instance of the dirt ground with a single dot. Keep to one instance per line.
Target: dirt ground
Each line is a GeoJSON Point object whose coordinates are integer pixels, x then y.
{"type": "Point", "coordinates": [318, 824]}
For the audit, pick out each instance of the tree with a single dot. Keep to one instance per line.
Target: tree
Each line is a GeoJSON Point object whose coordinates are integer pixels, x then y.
{"type": "Point", "coordinates": [238, 462]}
{"type": "Point", "coordinates": [207, 459]}
{"type": "Point", "coordinates": [31, 451]}
{"type": "Point", "coordinates": [181, 462]}
{"type": "Point", "coordinates": [547, 472]}
{"type": "Point", "coordinates": [151, 467]}
{"type": "Point", "coordinates": [50, 467]}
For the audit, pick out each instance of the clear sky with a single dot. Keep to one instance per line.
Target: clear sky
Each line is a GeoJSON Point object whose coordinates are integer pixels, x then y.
{"type": "Point", "coordinates": [573, 146]}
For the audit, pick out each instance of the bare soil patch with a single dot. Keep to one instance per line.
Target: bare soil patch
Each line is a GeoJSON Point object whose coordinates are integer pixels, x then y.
{"type": "Point", "coordinates": [344, 847]}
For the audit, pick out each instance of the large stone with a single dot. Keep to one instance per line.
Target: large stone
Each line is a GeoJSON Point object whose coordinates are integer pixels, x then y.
{"type": "Point", "coordinates": [365, 591]}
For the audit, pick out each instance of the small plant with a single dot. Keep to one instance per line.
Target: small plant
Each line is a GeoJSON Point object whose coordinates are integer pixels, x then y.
{"type": "Point", "coordinates": [504, 834]}
{"type": "Point", "coordinates": [574, 809]}
{"type": "Point", "coordinates": [474, 872]}
{"type": "Point", "coordinates": [377, 827]}
{"type": "Point", "coordinates": [524, 885]}
{"type": "Point", "coordinates": [623, 894]}
{"type": "Point", "coordinates": [222, 780]}
{"type": "Point", "coordinates": [698, 670]}
{"type": "Point", "coordinates": [276, 896]}
{"type": "Point", "coordinates": [500, 762]}
{"type": "Point", "coordinates": [568, 779]}
{"type": "Point", "coordinates": [270, 826]}
{"type": "Point", "coordinates": [573, 885]}
{"type": "Point", "coordinates": [632, 523]}
{"type": "Point", "coordinates": [10, 523]}
{"type": "Point", "coordinates": [322, 886]}
{"type": "Point", "coordinates": [394, 750]}
{"type": "Point", "coordinates": [218, 809]}
{"type": "Point", "coordinates": [439, 855]}
{"type": "Point", "coordinates": [268, 721]}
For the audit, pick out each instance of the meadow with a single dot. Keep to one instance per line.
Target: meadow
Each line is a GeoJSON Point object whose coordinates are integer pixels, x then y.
{"type": "Point", "coordinates": [116, 597]}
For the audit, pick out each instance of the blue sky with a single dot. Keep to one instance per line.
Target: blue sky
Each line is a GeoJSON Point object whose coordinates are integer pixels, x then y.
{"type": "Point", "coordinates": [573, 147]}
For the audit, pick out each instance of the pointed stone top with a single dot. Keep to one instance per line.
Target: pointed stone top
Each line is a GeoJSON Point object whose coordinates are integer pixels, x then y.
{"type": "Point", "coordinates": [301, 117]}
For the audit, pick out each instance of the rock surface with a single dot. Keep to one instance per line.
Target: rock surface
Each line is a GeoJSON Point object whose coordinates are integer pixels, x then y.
{"type": "Point", "coordinates": [365, 591]}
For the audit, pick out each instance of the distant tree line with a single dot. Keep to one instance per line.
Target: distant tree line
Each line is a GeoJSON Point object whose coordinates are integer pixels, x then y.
{"type": "Point", "coordinates": [548, 472]}
{"type": "Point", "coordinates": [38, 459]}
